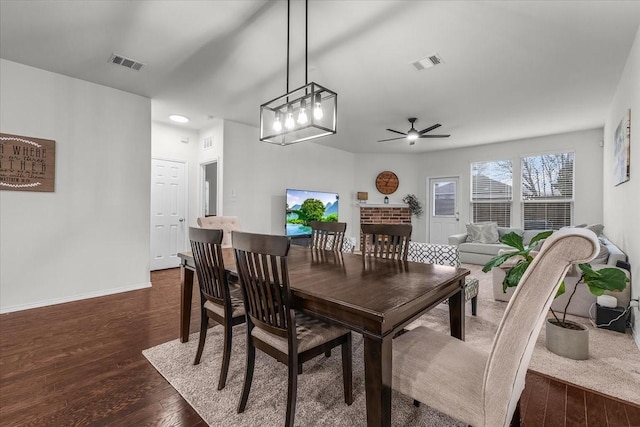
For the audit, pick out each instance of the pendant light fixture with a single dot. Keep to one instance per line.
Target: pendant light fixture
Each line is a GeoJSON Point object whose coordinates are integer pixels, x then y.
{"type": "Point", "coordinates": [306, 113]}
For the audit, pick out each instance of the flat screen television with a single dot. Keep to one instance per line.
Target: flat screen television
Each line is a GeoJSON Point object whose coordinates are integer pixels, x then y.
{"type": "Point", "coordinates": [304, 206]}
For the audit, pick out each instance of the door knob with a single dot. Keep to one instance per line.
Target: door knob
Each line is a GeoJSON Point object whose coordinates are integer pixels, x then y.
{"type": "Point", "coordinates": [181, 219]}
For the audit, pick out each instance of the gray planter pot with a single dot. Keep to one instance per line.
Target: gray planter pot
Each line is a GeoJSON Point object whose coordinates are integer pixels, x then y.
{"type": "Point", "coordinates": [570, 343]}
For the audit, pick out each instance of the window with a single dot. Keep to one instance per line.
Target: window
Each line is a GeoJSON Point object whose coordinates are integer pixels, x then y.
{"type": "Point", "coordinates": [547, 191]}
{"type": "Point", "coordinates": [492, 191]}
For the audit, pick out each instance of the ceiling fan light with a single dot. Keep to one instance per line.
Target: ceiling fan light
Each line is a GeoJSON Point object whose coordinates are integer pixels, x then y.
{"type": "Point", "coordinates": [412, 135]}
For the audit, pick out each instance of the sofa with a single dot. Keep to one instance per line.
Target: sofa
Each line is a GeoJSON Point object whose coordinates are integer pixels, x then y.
{"type": "Point", "coordinates": [583, 302]}
{"type": "Point", "coordinates": [479, 252]}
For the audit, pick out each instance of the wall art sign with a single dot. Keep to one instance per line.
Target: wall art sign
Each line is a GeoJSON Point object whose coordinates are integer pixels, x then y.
{"type": "Point", "coordinates": [622, 150]}
{"type": "Point", "coordinates": [26, 163]}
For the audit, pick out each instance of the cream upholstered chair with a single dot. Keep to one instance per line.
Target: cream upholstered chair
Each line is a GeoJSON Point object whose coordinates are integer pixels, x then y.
{"type": "Point", "coordinates": [225, 223]}
{"type": "Point", "coordinates": [481, 389]}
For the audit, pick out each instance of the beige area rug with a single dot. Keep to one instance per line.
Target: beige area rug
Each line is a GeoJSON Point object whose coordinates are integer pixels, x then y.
{"type": "Point", "coordinates": [613, 369]}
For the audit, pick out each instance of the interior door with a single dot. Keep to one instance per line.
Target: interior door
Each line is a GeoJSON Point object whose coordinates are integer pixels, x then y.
{"type": "Point", "coordinates": [444, 216]}
{"type": "Point", "coordinates": [168, 225]}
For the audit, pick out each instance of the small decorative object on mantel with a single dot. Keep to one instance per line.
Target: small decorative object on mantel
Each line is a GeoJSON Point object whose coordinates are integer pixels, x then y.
{"type": "Point", "coordinates": [27, 164]}
{"type": "Point", "coordinates": [386, 200]}
{"type": "Point", "coordinates": [362, 196]}
{"type": "Point", "coordinates": [414, 204]}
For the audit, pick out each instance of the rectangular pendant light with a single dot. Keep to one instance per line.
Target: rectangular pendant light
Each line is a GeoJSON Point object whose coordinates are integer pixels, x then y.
{"type": "Point", "coordinates": [306, 113]}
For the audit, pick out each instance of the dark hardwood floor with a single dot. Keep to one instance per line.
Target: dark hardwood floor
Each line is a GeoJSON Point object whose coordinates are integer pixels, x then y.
{"type": "Point", "coordinates": [81, 363]}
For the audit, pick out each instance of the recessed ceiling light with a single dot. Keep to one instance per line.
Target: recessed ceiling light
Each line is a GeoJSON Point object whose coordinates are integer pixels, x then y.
{"type": "Point", "coordinates": [179, 118]}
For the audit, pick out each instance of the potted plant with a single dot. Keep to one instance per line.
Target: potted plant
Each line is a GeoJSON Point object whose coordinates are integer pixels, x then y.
{"type": "Point", "coordinates": [414, 204]}
{"type": "Point", "coordinates": [564, 337]}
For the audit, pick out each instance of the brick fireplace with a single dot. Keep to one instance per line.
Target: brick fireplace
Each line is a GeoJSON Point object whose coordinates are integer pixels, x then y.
{"type": "Point", "coordinates": [385, 214]}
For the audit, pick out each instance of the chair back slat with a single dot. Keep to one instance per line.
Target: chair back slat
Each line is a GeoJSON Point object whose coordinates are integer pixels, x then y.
{"type": "Point", "coordinates": [386, 240]}
{"type": "Point", "coordinates": [328, 235]}
{"type": "Point", "coordinates": [524, 316]}
{"type": "Point", "coordinates": [261, 261]}
{"type": "Point", "coordinates": [207, 255]}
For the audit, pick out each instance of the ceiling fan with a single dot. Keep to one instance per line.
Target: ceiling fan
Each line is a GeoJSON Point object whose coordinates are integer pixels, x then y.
{"type": "Point", "coordinates": [412, 134]}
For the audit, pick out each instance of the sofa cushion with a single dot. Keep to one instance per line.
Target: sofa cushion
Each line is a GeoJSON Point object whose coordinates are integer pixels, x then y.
{"type": "Point", "coordinates": [483, 232]}
{"type": "Point", "coordinates": [603, 255]}
{"type": "Point", "coordinates": [530, 234]}
{"type": "Point", "coordinates": [482, 248]}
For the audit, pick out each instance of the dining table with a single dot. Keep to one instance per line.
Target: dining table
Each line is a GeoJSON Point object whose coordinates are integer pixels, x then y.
{"type": "Point", "coordinates": [373, 296]}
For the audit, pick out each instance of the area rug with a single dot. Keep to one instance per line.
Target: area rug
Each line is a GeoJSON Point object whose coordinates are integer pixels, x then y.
{"type": "Point", "coordinates": [612, 369]}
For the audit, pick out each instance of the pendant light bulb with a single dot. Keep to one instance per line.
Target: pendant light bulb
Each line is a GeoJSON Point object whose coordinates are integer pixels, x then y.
{"type": "Point", "coordinates": [302, 115]}
{"type": "Point", "coordinates": [277, 124]}
{"type": "Point", "coordinates": [317, 108]}
{"type": "Point", "coordinates": [289, 123]}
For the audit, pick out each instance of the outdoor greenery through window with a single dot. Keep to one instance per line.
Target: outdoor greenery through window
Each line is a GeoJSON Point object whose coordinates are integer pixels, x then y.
{"type": "Point", "coordinates": [547, 191]}
{"type": "Point", "coordinates": [492, 191]}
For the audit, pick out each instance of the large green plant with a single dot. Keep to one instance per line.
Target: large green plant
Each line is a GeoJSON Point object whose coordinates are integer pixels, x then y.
{"type": "Point", "coordinates": [598, 281]}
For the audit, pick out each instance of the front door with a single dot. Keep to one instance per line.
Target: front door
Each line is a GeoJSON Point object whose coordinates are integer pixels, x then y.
{"type": "Point", "coordinates": [168, 225]}
{"type": "Point", "coordinates": [443, 209]}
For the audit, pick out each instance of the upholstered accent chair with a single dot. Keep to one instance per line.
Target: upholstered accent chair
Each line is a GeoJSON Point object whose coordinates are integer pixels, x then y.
{"type": "Point", "coordinates": [225, 223]}
{"type": "Point", "coordinates": [273, 325]}
{"type": "Point", "coordinates": [218, 301]}
{"type": "Point", "coordinates": [445, 255]}
{"type": "Point", "coordinates": [327, 235]}
{"type": "Point", "coordinates": [481, 389]}
{"type": "Point", "coordinates": [386, 240]}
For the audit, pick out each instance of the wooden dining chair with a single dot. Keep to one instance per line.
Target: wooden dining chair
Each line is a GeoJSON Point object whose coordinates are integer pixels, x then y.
{"type": "Point", "coordinates": [386, 240]}
{"type": "Point", "coordinates": [328, 235]}
{"type": "Point", "coordinates": [218, 301]}
{"type": "Point", "coordinates": [273, 325]}
{"type": "Point", "coordinates": [481, 389]}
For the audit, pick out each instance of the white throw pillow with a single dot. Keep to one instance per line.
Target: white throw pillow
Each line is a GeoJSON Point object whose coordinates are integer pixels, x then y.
{"type": "Point", "coordinates": [483, 232]}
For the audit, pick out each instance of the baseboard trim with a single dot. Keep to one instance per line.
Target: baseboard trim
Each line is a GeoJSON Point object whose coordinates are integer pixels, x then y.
{"type": "Point", "coordinates": [636, 336]}
{"type": "Point", "coordinates": [72, 298]}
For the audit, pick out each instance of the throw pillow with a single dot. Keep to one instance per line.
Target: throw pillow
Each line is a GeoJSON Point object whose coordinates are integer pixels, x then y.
{"type": "Point", "coordinates": [483, 233]}
{"type": "Point", "coordinates": [596, 228]}
{"type": "Point", "coordinates": [603, 255]}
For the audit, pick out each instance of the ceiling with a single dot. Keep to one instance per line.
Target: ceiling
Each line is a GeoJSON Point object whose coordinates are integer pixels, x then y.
{"type": "Point", "coordinates": [512, 69]}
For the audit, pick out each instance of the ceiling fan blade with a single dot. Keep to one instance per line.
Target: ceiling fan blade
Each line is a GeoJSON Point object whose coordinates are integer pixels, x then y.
{"type": "Point", "coordinates": [434, 136]}
{"type": "Point", "coordinates": [430, 128]}
{"type": "Point", "coordinates": [401, 133]}
{"type": "Point", "coordinates": [391, 139]}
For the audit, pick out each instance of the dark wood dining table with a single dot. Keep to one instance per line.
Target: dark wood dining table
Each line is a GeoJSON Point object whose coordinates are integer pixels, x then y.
{"type": "Point", "coordinates": [374, 297]}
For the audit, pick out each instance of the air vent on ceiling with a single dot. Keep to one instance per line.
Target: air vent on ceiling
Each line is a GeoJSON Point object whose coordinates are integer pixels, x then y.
{"type": "Point", "coordinates": [126, 62]}
{"type": "Point", "coordinates": [428, 62]}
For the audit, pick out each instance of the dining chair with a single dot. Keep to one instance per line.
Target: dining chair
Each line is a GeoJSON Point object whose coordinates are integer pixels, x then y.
{"type": "Point", "coordinates": [481, 389]}
{"type": "Point", "coordinates": [225, 223]}
{"type": "Point", "coordinates": [386, 240]}
{"type": "Point", "coordinates": [273, 325]}
{"type": "Point", "coordinates": [328, 235]}
{"type": "Point", "coordinates": [218, 301]}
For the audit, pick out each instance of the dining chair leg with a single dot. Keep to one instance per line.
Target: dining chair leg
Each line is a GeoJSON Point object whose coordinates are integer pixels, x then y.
{"type": "Point", "coordinates": [416, 403]}
{"type": "Point", "coordinates": [226, 354]}
{"type": "Point", "coordinates": [248, 374]}
{"type": "Point", "coordinates": [515, 420]}
{"type": "Point", "coordinates": [292, 389]}
{"type": "Point", "coordinates": [347, 377]}
{"type": "Point", "coordinates": [474, 305]}
{"type": "Point", "coordinates": [204, 323]}
{"type": "Point", "coordinates": [327, 353]}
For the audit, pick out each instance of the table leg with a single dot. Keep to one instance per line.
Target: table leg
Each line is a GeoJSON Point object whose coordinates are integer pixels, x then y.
{"type": "Point", "coordinates": [456, 313]}
{"type": "Point", "coordinates": [186, 289]}
{"type": "Point", "coordinates": [377, 373]}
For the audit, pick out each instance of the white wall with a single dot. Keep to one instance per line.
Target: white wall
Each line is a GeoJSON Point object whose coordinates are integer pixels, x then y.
{"type": "Point", "coordinates": [414, 172]}
{"type": "Point", "coordinates": [622, 202]}
{"type": "Point", "coordinates": [91, 236]}
{"type": "Point", "coordinates": [256, 175]}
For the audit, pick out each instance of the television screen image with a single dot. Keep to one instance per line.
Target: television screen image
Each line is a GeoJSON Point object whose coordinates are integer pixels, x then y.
{"type": "Point", "coordinates": [304, 206]}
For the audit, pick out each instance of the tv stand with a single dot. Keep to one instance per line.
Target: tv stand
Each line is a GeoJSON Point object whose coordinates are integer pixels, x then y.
{"type": "Point", "coordinates": [301, 241]}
